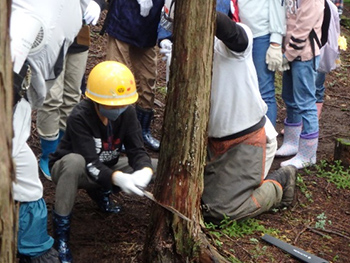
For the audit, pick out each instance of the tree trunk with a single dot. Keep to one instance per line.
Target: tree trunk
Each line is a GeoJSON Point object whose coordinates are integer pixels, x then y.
{"type": "Point", "coordinates": [342, 151]}
{"type": "Point", "coordinates": [7, 207]}
{"type": "Point", "coordinates": [179, 181]}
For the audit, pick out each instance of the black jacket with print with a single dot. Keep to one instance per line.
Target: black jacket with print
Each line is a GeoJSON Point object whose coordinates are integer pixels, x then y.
{"type": "Point", "coordinates": [99, 144]}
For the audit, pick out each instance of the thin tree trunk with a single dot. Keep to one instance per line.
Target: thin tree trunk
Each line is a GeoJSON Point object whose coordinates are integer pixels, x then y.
{"type": "Point", "coordinates": [342, 151]}
{"type": "Point", "coordinates": [7, 207]}
{"type": "Point", "coordinates": [179, 181]}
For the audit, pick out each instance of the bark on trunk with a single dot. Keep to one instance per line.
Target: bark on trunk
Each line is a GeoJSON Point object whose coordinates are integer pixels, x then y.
{"type": "Point", "coordinates": [7, 208]}
{"type": "Point", "coordinates": [179, 181]}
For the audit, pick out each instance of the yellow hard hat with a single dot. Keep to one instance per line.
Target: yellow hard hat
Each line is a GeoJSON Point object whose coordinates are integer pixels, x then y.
{"type": "Point", "coordinates": [111, 83]}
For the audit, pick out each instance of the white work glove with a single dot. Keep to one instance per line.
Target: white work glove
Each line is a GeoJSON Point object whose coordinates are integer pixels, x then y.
{"type": "Point", "coordinates": [141, 178]}
{"type": "Point", "coordinates": [92, 13]}
{"type": "Point", "coordinates": [285, 64]}
{"type": "Point", "coordinates": [274, 57]}
{"type": "Point", "coordinates": [166, 47]}
{"type": "Point", "coordinates": [126, 183]}
{"type": "Point", "coordinates": [145, 7]}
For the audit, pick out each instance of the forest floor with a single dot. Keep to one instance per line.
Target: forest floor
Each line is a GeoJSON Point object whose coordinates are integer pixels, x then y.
{"type": "Point", "coordinates": [317, 222]}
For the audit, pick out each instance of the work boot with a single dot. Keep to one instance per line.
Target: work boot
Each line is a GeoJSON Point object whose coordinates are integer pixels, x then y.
{"type": "Point", "coordinates": [61, 229]}
{"type": "Point", "coordinates": [306, 155]}
{"type": "Point", "coordinates": [103, 201]}
{"type": "Point", "coordinates": [290, 139]}
{"type": "Point", "coordinates": [286, 177]}
{"type": "Point", "coordinates": [50, 256]}
{"type": "Point", "coordinates": [145, 117]}
{"type": "Point", "coordinates": [23, 258]}
{"type": "Point", "coordinates": [47, 146]}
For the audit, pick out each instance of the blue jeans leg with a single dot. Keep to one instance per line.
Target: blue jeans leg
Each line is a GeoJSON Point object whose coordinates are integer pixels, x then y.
{"type": "Point", "coordinates": [320, 79]}
{"type": "Point", "coordinates": [299, 95]}
{"type": "Point", "coordinates": [223, 6]}
{"type": "Point", "coordinates": [266, 77]}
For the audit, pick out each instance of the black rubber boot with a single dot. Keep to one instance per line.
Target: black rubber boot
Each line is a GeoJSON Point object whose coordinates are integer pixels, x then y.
{"type": "Point", "coordinates": [145, 117]}
{"type": "Point", "coordinates": [61, 228]}
{"type": "Point", "coordinates": [286, 177]}
{"type": "Point", "coordinates": [50, 256]}
{"type": "Point", "coordinates": [23, 259]}
{"type": "Point", "coordinates": [103, 201]}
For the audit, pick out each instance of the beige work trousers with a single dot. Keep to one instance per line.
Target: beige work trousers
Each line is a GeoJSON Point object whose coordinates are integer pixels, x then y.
{"type": "Point", "coordinates": [62, 96]}
{"type": "Point", "coordinates": [142, 62]}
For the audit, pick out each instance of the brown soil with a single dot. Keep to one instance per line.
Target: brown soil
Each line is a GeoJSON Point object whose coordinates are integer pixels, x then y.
{"type": "Point", "coordinates": [100, 237]}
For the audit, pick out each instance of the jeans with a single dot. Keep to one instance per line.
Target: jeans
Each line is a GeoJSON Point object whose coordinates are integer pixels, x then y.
{"type": "Point", "coordinates": [266, 77]}
{"type": "Point", "coordinates": [299, 94]}
{"type": "Point", "coordinates": [320, 79]}
{"type": "Point", "coordinates": [223, 6]}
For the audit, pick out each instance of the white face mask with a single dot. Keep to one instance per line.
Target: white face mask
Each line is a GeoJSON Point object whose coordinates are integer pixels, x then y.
{"type": "Point", "coordinates": [112, 114]}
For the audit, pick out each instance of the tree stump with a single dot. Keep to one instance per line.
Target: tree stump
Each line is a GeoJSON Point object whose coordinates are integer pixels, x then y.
{"type": "Point", "coordinates": [342, 151]}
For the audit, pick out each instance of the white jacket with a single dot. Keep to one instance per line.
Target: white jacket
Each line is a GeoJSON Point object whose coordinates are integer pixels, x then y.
{"type": "Point", "coordinates": [264, 17]}
{"type": "Point", "coordinates": [236, 103]}
{"type": "Point", "coordinates": [41, 32]}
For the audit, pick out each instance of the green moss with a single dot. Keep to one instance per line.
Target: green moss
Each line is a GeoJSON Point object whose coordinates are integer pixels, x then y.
{"type": "Point", "coordinates": [343, 141]}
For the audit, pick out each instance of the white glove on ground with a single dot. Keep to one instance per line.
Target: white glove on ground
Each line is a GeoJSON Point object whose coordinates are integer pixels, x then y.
{"type": "Point", "coordinates": [274, 57]}
{"type": "Point", "coordinates": [145, 7]}
{"type": "Point", "coordinates": [285, 64]}
{"type": "Point", "coordinates": [126, 183]}
{"type": "Point", "coordinates": [141, 178]}
{"type": "Point", "coordinates": [92, 13]}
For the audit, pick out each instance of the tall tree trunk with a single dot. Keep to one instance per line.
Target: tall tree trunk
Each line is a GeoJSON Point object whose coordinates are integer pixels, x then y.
{"type": "Point", "coordinates": [179, 181]}
{"type": "Point", "coordinates": [7, 207]}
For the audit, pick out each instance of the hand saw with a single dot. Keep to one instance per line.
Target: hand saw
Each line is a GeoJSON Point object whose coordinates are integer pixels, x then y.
{"type": "Point", "coordinates": [294, 251]}
{"type": "Point", "coordinates": [150, 196]}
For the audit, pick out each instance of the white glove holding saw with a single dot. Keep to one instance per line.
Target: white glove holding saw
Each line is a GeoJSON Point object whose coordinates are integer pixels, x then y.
{"type": "Point", "coordinates": [274, 57]}
{"type": "Point", "coordinates": [145, 7]}
{"type": "Point", "coordinates": [141, 178]}
{"type": "Point", "coordinates": [92, 13]}
{"type": "Point", "coordinates": [126, 183]}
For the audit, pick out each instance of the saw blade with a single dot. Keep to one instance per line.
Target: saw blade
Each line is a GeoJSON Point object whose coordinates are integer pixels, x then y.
{"type": "Point", "coordinates": [293, 250]}
{"type": "Point", "coordinates": [150, 196]}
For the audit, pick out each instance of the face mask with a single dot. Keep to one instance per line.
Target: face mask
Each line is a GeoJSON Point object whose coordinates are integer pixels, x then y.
{"type": "Point", "coordinates": [112, 114]}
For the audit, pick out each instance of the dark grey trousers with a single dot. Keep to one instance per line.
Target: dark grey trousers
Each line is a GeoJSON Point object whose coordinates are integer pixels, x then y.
{"type": "Point", "coordinates": [69, 175]}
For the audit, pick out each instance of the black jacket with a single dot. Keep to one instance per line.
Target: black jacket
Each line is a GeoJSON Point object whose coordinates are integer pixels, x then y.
{"type": "Point", "coordinates": [99, 144]}
{"type": "Point", "coordinates": [126, 24]}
